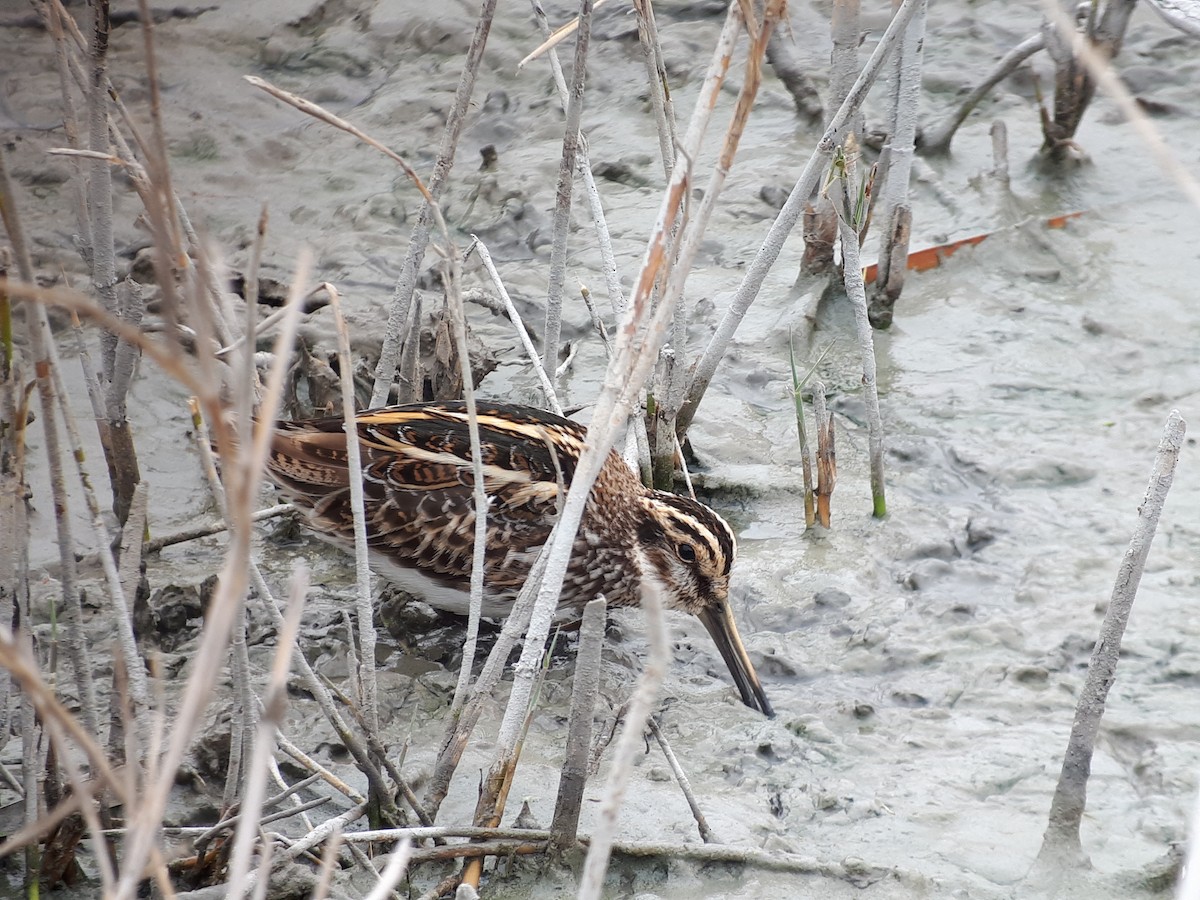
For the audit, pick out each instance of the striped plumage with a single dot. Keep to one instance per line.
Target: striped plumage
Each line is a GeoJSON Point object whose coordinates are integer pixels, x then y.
{"type": "Point", "coordinates": [417, 484]}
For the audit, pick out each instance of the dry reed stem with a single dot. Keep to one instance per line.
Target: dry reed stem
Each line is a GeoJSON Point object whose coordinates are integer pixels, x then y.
{"type": "Point", "coordinates": [319, 112]}
{"type": "Point", "coordinates": [458, 729]}
{"type": "Point", "coordinates": [826, 460]}
{"type": "Point", "coordinates": [555, 38]}
{"type": "Point", "coordinates": [612, 276]}
{"type": "Point", "coordinates": [458, 324]}
{"type": "Point", "coordinates": [515, 317]}
{"type": "Point", "coordinates": [305, 761]}
{"type": "Point", "coordinates": [1060, 844]}
{"type": "Point", "coordinates": [626, 374]}
{"type": "Point", "coordinates": [706, 833]}
{"type": "Point", "coordinates": [329, 858]}
{"type": "Point", "coordinates": [244, 466]}
{"type": "Point", "coordinates": [368, 685]}
{"type": "Point", "coordinates": [768, 253]}
{"type": "Point", "coordinates": [392, 873]}
{"type": "Point", "coordinates": [806, 457]}
{"type": "Point", "coordinates": [202, 531]}
{"type": "Point", "coordinates": [895, 177]}
{"type": "Point", "coordinates": [326, 703]}
{"type": "Point", "coordinates": [672, 393]}
{"type": "Point", "coordinates": [639, 338]}
{"type": "Point", "coordinates": [403, 294]}
{"type": "Point", "coordinates": [102, 255]}
{"type": "Point", "coordinates": [117, 593]}
{"type": "Point", "coordinates": [201, 836]}
{"type": "Point", "coordinates": [51, 13]}
{"type": "Point", "coordinates": [40, 336]}
{"type": "Point", "coordinates": [322, 832]}
{"type": "Point", "coordinates": [275, 704]}
{"type": "Point", "coordinates": [856, 292]}
{"type": "Point", "coordinates": [656, 79]}
{"type": "Point", "coordinates": [437, 832]}
{"type": "Point", "coordinates": [252, 386]}
{"type": "Point", "coordinates": [552, 331]}
{"type": "Point", "coordinates": [17, 658]}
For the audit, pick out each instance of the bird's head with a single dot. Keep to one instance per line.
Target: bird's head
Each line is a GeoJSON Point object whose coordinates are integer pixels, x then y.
{"type": "Point", "coordinates": [689, 551]}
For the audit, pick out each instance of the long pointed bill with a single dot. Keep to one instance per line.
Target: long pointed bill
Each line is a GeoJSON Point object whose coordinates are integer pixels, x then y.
{"type": "Point", "coordinates": [720, 624]}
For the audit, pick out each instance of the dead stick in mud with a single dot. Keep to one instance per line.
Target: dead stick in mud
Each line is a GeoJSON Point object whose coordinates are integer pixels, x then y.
{"type": "Point", "coordinates": [565, 823]}
{"type": "Point", "coordinates": [706, 833]}
{"type": "Point", "coordinates": [936, 140]}
{"type": "Point", "coordinates": [1061, 844]}
{"type": "Point", "coordinates": [766, 860]}
{"type": "Point", "coordinates": [1107, 79]}
{"type": "Point", "coordinates": [820, 220]}
{"type": "Point", "coordinates": [768, 253]}
{"type": "Point", "coordinates": [40, 337]}
{"type": "Point", "coordinates": [612, 277]}
{"type": "Point", "coordinates": [562, 196]}
{"type": "Point", "coordinates": [895, 208]}
{"type": "Point", "coordinates": [656, 80]}
{"type": "Point", "coordinates": [201, 531]}
{"type": "Point", "coordinates": [307, 762]}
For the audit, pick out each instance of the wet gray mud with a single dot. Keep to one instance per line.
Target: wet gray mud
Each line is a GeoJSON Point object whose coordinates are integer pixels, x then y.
{"type": "Point", "coordinates": [925, 667]}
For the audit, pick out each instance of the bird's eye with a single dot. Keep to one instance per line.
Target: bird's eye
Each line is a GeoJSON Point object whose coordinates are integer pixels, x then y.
{"type": "Point", "coordinates": [686, 552]}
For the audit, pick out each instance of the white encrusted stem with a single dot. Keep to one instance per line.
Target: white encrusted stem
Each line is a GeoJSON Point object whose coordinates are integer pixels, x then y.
{"type": "Point", "coordinates": [515, 317]}
{"type": "Point", "coordinates": [1061, 841]}
{"type": "Point", "coordinates": [636, 716]}
{"type": "Point", "coordinates": [612, 278]}
{"type": "Point", "coordinates": [579, 726]}
{"type": "Point", "coordinates": [856, 292]}
{"type": "Point", "coordinates": [368, 685]}
{"type": "Point", "coordinates": [562, 202]}
{"type": "Point", "coordinates": [901, 143]}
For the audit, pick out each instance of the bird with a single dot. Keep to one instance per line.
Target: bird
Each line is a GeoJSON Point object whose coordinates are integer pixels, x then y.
{"type": "Point", "coordinates": [420, 515]}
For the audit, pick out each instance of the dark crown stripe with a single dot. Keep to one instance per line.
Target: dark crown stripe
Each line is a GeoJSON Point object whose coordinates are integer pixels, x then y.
{"type": "Point", "coordinates": [700, 523]}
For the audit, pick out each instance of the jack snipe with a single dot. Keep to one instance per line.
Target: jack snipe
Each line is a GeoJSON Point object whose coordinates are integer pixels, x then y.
{"type": "Point", "coordinates": [420, 515]}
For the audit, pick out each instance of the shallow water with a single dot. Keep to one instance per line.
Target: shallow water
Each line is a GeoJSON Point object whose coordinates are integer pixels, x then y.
{"type": "Point", "coordinates": [924, 667]}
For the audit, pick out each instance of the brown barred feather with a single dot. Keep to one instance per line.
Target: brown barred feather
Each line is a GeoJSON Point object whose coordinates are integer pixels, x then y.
{"type": "Point", "coordinates": [418, 497]}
